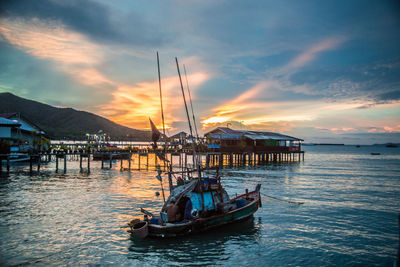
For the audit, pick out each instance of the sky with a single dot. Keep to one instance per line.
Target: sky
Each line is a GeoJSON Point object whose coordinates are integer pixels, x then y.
{"type": "Point", "coordinates": [324, 71]}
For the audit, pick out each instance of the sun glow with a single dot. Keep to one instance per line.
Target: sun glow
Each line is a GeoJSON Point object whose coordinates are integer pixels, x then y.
{"type": "Point", "coordinates": [216, 120]}
{"type": "Point", "coordinates": [134, 105]}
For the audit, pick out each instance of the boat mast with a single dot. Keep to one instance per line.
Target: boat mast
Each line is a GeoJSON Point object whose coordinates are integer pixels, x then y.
{"type": "Point", "coordinates": [163, 124]}
{"type": "Point", "coordinates": [159, 86]}
{"type": "Point", "coordinates": [187, 113]}
{"type": "Point", "coordinates": [191, 104]}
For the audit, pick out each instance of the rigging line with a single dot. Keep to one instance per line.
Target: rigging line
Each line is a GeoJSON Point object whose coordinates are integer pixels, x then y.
{"type": "Point", "coordinates": [281, 199]}
{"type": "Point", "coordinates": [187, 112]}
{"type": "Point", "coordinates": [162, 109]}
{"type": "Point", "coordinates": [191, 104]}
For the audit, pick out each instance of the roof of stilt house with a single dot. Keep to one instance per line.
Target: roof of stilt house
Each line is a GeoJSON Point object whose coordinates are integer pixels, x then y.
{"type": "Point", "coordinates": [9, 123]}
{"type": "Point", "coordinates": [24, 123]}
{"type": "Point", "coordinates": [231, 134]}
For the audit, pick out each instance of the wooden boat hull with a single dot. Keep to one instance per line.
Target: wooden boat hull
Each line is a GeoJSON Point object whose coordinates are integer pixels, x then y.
{"type": "Point", "coordinates": [16, 158]}
{"type": "Point", "coordinates": [203, 224]}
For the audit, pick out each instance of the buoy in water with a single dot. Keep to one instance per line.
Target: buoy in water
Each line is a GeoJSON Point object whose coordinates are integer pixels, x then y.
{"type": "Point", "coordinates": [157, 194]}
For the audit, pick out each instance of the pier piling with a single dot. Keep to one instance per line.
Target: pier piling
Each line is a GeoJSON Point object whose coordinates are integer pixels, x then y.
{"type": "Point", "coordinates": [8, 164]}
{"type": "Point", "coordinates": [88, 162]}
{"type": "Point", "coordinates": [65, 163]}
{"type": "Point", "coordinates": [212, 159]}
{"type": "Point", "coordinates": [39, 161]}
{"type": "Point", "coordinates": [30, 163]}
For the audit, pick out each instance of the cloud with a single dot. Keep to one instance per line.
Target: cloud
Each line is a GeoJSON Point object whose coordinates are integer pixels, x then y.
{"type": "Point", "coordinates": [70, 52]}
{"type": "Point", "coordinates": [239, 103]}
{"type": "Point", "coordinates": [87, 17]}
{"type": "Point", "coordinates": [40, 80]}
{"type": "Point", "coordinates": [133, 105]}
{"type": "Point", "coordinates": [249, 109]}
{"type": "Point", "coordinates": [338, 130]}
{"type": "Point", "coordinates": [377, 82]}
{"type": "Point", "coordinates": [308, 55]}
{"type": "Point", "coordinates": [384, 129]}
{"type": "Point", "coordinates": [50, 41]}
{"type": "Point", "coordinates": [389, 96]}
{"type": "Point", "coordinates": [90, 18]}
{"type": "Point", "coordinates": [74, 54]}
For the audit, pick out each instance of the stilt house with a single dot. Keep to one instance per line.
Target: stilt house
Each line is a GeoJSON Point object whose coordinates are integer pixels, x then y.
{"type": "Point", "coordinates": [223, 139]}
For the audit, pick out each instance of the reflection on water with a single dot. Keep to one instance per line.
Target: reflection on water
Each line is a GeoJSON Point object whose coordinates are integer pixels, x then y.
{"type": "Point", "coordinates": [349, 215]}
{"type": "Point", "coordinates": [211, 247]}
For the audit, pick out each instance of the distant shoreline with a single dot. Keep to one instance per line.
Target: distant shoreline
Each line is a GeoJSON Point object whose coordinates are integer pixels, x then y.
{"type": "Point", "coordinates": [322, 144]}
{"type": "Point", "coordinates": [334, 144]}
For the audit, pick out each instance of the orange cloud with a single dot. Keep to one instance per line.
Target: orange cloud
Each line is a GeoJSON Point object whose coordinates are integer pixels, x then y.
{"type": "Point", "coordinates": [395, 129]}
{"type": "Point", "coordinates": [50, 41]}
{"type": "Point", "coordinates": [230, 110]}
{"type": "Point", "coordinates": [71, 52]}
{"type": "Point", "coordinates": [343, 129]}
{"type": "Point", "coordinates": [134, 105]}
{"type": "Point", "coordinates": [255, 114]}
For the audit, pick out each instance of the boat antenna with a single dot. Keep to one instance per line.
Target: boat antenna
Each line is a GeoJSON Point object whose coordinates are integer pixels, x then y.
{"type": "Point", "coordinates": [191, 104]}
{"type": "Point", "coordinates": [187, 112]}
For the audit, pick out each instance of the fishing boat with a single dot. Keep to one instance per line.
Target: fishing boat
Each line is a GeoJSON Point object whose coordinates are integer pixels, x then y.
{"type": "Point", "coordinates": [198, 202]}
{"type": "Point", "coordinates": [15, 155]}
{"type": "Point", "coordinates": [210, 208]}
{"type": "Point", "coordinates": [391, 145]}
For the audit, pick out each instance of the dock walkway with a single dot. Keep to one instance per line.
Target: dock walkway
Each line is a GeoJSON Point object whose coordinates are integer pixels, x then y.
{"type": "Point", "coordinates": [145, 159]}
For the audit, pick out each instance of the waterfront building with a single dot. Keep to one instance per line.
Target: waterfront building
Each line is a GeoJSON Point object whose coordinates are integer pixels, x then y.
{"type": "Point", "coordinates": [224, 139]}
{"type": "Point", "coordinates": [21, 134]}
{"type": "Point", "coordinates": [179, 138]}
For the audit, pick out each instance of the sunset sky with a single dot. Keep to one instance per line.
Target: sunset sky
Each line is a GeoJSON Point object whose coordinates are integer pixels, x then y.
{"type": "Point", "coordinates": [323, 71]}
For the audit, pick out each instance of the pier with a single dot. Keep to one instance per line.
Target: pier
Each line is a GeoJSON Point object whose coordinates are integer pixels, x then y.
{"type": "Point", "coordinates": [147, 159]}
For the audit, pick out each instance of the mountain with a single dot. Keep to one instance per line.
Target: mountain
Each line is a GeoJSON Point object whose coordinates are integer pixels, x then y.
{"type": "Point", "coordinates": [67, 123]}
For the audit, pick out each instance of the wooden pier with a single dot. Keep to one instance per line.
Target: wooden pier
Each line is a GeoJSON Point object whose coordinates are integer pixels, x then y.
{"type": "Point", "coordinates": [145, 160]}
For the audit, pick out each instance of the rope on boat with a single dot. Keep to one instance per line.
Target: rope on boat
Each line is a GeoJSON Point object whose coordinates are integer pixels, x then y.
{"type": "Point", "coordinates": [281, 199]}
{"type": "Point", "coordinates": [29, 262]}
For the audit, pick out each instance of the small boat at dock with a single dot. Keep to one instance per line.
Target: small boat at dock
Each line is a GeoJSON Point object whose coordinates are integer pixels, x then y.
{"type": "Point", "coordinates": [16, 157]}
{"type": "Point", "coordinates": [110, 155]}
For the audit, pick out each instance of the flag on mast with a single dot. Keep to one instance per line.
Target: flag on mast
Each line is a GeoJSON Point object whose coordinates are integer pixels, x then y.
{"type": "Point", "coordinates": [155, 136]}
{"type": "Point", "coordinates": [155, 133]}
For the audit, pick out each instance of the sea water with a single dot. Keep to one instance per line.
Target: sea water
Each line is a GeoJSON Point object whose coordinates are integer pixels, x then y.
{"type": "Point", "coordinates": [349, 216]}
